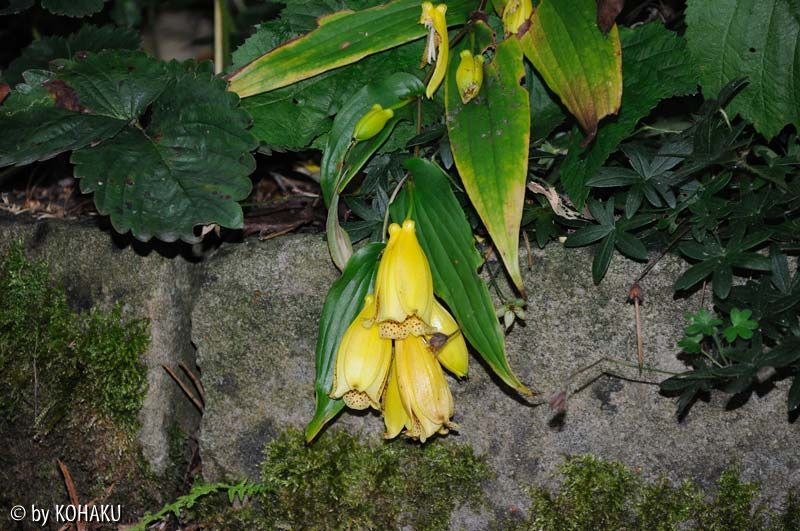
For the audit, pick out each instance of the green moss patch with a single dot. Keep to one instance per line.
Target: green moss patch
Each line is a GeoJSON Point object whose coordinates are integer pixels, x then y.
{"type": "Point", "coordinates": [341, 483]}
{"type": "Point", "coordinates": [600, 495]}
{"type": "Point", "coordinates": [52, 357]}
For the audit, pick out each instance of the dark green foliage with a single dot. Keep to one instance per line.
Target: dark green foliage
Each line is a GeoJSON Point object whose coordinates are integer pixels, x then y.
{"type": "Point", "coordinates": [607, 496]}
{"type": "Point", "coordinates": [52, 358]}
{"type": "Point", "coordinates": [339, 483]}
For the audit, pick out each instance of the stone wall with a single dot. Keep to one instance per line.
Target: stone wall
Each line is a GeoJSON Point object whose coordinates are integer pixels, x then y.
{"type": "Point", "coordinates": [251, 310]}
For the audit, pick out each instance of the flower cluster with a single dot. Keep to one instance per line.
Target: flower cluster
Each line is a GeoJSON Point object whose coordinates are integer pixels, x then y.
{"type": "Point", "coordinates": [392, 354]}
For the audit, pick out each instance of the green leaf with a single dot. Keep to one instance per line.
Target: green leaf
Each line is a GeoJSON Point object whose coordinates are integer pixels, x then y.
{"type": "Point", "coordinates": [722, 280]}
{"type": "Point", "coordinates": [695, 274]}
{"type": "Point", "coordinates": [489, 139]}
{"type": "Point", "coordinates": [605, 251]}
{"type": "Point", "coordinates": [293, 117]}
{"type": "Point", "coordinates": [656, 66]}
{"type": "Point", "coordinates": [630, 246]}
{"type": "Point", "coordinates": [757, 39]}
{"type": "Point", "coordinates": [342, 38]}
{"type": "Point", "coordinates": [794, 394]}
{"type": "Point", "coordinates": [587, 235]}
{"type": "Point", "coordinates": [73, 8]}
{"type": "Point", "coordinates": [188, 167]}
{"type": "Point", "coordinates": [546, 113]}
{"type": "Point", "coordinates": [342, 304]}
{"type": "Point", "coordinates": [89, 39]}
{"type": "Point", "coordinates": [388, 93]}
{"type": "Point", "coordinates": [702, 322]}
{"type": "Point", "coordinates": [446, 238]}
{"type": "Point", "coordinates": [575, 59]}
{"type": "Point", "coordinates": [741, 325]}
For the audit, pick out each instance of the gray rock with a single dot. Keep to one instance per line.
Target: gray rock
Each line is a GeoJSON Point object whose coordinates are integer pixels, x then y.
{"type": "Point", "coordinates": [97, 271]}
{"type": "Point", "coordinates": [255, 323]}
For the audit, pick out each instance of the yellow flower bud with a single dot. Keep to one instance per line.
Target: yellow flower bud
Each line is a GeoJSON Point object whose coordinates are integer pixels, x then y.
{"type": "Point", "coordinates": [453, 355]}
{"type": "Point", "coordinates": [516, 13]}
{"type": "Point", "coordinates": [404, 285]}
{"type": "Point", "coordinates": [437, 47]}
{"type": "Point", "coordinates": [469, 75]}
{"type": "Point", "coordinates": [372, 123]}
{"type": "Point", "coordinates": [362, 362]}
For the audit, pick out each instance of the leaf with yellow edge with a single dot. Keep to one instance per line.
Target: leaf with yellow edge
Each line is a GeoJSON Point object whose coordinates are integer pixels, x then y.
{"type": "Point", "coordinates": [342, 38]}
{"type": "Point", "coordinates": [489, 139]}
{"type": "Point", "coordinates": [578, 62]}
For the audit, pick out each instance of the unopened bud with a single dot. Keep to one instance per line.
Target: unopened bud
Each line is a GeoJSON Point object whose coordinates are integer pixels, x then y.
{"type": "Point", "coordinates": [469, 75]}
{"type": "Point", "coordinates": [516, 13]}
{"type": "Point", "coordinates": [372, 123]}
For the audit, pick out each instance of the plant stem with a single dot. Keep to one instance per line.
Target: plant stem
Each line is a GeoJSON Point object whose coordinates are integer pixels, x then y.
{"type": "Point", "coordinates": [391, 200]}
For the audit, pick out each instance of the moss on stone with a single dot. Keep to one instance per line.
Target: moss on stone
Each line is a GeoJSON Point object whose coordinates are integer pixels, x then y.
{"type": "Point", "coordinates": [52, 357]}
{"type": "Point", "coordinates": [601, 495]}
{"type": "Point", "coordinates": [339, 482]}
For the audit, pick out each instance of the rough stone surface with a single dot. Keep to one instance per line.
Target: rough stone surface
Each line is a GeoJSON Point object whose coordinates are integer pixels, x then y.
{"type": "Point", "coordinates": [97, 268]}
{"type": "Point", "coordinates": [255, 322]}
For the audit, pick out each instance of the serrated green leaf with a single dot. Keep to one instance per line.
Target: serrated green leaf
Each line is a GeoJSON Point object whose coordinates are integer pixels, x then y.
{"type": "Point", "coordinates": [741, 325]}
{"type": "Point", "coordinates": [116, 83]}
{"type": "Point", "coordinates": [189, 167]}
{"type": "Point", "coordinates": [73, 8]}
{"type": "Point", "coordinates": [342, 38]}
{"type": "Point", "coordinates": [576, 60]}
{"type": "Point", "coordinates": [88, 39]}
{"type": "Point", "coordinates": [489, 139]}
{"type": "Point", "coordinates": [387, 93]}
{"type": "Point", "coordinates": [446, 237]}
{"type": "Point", "coordinates": [656, 66]}
{"type": "Point", "coordinates": [342, 304]}
{"type": "Point", "coordinates": [757, 39]}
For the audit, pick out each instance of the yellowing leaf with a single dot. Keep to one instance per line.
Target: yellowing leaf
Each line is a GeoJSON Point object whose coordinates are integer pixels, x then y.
{"type": "Point", "coordinates": [578, 62]}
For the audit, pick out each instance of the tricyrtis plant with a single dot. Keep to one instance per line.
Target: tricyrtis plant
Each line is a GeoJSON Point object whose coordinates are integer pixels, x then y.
{"type": "Point", "coordinates": [433, 120]}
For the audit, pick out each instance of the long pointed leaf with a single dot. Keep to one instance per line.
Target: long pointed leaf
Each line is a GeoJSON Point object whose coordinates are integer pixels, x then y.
{"type": "Point", "coordinates": [446, 238]}
{"type": "Point", "coordinates": [342, 304]}
{"type": "Point", "coordinates": [489, 139]}
{"type": "Point", "coordinates": [341, 39]}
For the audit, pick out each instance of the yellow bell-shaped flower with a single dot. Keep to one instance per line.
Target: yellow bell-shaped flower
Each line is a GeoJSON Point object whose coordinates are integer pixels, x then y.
{"type": "Point", "coordinates": [423, 390]}
{"type": "Point", "coordinates": [362, 362]}
{"type": "Point", "coordinates": [469, 75]}
{"type": "Point", "coordinates": [404, 285]}
{"type": "Point", "coordinates": [516, 13]}
{"type": "Point", "coordinates": [448, 344]}
{"type": "Point", "coordinates": [437, 47]}
{"type": "Point", "coordinates": [372, 122]}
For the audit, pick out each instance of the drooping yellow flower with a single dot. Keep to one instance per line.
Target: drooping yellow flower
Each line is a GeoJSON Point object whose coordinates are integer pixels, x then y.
{"type": "Point", "coordinates": [362, 362]}
{"type": "Point", "coordinates": [423, 391]}
{"type": "Point", "coordinates": [404, 285]}
{"type": "Point", "coordinates": [448, 344]}
{"type": "Point", "coordinates": [437, 47]}
{"type": "Point", "coordinates": [469, 75]}
{"type": "Point", "coordinates": [516, 13]}
{"type": "Point", "coordinates": [372, 122]}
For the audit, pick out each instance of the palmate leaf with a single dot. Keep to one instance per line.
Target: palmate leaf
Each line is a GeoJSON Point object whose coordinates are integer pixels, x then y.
{"type": "Point", "coordinates": [757, 39]}
{"type": "Point", "coordinates": [342, 38]}
{"type": "Point", "coordinates": [489, 139]}
{"type": "Point", "coordinates": [446, 237]}
{"type": "Point", "coordinates": [342, 304]}
{"type": "Point", "coordinates": [189, 167]}
{"type": "Point", "coordinates": [576, 60]}
{"type": "Point", "coordinates": [657, 66]}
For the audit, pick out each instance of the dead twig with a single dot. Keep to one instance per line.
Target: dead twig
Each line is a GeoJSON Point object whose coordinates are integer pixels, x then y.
{"type": "Point", "coordinates": [197, 403]}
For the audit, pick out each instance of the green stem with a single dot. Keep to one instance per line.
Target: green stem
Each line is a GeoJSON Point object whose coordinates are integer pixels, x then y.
{"type": "Point", "coordinates": [391, 200]}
